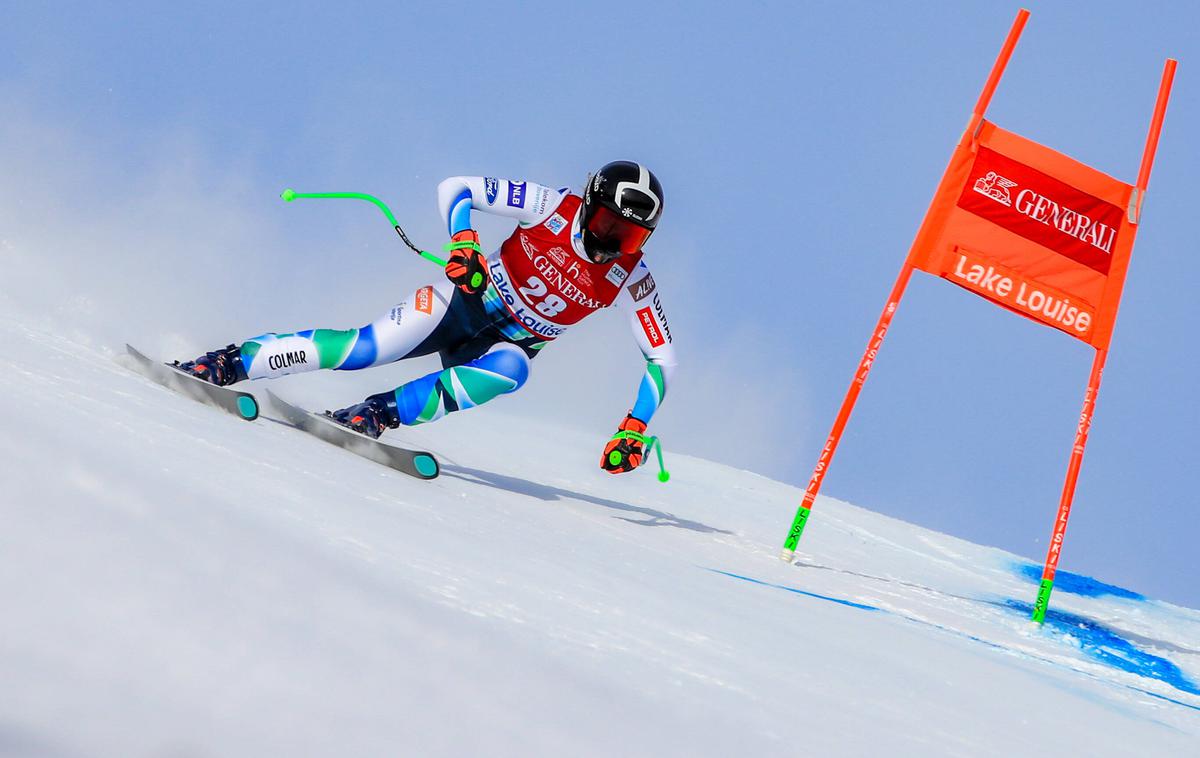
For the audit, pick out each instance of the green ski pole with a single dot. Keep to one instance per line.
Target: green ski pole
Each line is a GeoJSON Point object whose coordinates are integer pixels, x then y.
{"type": "Point", "coordinates": [656, 446]}
{"type": "Point", "coordinates": [289, 195]}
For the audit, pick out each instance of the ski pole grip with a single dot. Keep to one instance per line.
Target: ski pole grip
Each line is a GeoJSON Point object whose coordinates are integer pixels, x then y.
{"type": "Point", "coordinates": [425, 253]}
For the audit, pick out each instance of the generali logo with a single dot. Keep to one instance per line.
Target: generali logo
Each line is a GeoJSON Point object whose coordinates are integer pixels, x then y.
{"type": "Point", "coordinates": [1042, 209]}
{"type": "Point", "coordinates": [996, 187]}
{"type": "Point", "coordinates": [1046, 211]}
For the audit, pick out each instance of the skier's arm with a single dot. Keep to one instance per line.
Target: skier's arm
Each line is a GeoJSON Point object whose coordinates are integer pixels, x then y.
{"type": "Point", "coordinates": [641, 301]}
{"type": "Point", "coordinates": [530, 204]}
{"type": "Point", "coordinates": [527, 202]}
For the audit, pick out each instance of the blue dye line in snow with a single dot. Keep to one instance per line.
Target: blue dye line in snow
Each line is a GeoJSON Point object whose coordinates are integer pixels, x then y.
{"type": "Point", "coordinates": [1095, 640]}
{"type": "Point", "coordinates": [839, 601]}
{"type": "Point", "coordinates": [1076, 584]}
{"type": "Point", "coordinates": [1102, 644]}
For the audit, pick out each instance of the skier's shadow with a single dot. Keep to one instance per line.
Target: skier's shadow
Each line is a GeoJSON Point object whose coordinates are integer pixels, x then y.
{"type": "Point", "coordinates": [548, 493]}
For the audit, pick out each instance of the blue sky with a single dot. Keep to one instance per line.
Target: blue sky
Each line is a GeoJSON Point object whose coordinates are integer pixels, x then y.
{"type": "Point", "coordinates": [144, 146]}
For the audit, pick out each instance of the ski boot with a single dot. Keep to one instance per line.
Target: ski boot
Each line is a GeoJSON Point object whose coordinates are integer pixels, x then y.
{"type": "Point", "coordinates": [220, 367]}
{"type": "Point", "coordinates": [371, 416]}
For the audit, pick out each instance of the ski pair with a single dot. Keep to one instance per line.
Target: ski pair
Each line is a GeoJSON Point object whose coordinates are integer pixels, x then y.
{"type": "Point", "coordinates": [417, 463]}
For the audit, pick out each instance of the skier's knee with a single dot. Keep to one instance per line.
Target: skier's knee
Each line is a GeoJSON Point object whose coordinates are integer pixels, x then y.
{"type": "Point", "coordinates": [508, 361]}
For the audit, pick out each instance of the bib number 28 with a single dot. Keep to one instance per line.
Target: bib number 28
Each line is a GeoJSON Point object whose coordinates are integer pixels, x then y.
{"type": "Point", "coordinates": [550, 305]}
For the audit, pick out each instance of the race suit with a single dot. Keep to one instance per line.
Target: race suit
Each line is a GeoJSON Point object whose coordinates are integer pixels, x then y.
{"type": "Point", "coordinates": [539, 284]}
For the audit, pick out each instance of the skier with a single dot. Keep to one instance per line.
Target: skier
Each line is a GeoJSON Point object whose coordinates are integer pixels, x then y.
{"type": "Point", "coordinates": [568, 257]}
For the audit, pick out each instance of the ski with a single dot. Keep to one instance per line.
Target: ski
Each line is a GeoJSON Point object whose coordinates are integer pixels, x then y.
{"type": "Point", "coordinates": [418, 463]}
{"type": "Point", "coordinates": [241, 404]}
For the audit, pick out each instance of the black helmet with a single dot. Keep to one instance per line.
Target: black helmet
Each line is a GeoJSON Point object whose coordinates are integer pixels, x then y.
{"type": "Point", "coordinates": [621, 206]}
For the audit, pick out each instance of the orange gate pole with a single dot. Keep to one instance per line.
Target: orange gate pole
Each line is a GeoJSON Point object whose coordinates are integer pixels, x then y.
{"type": "Point", "coordinates": [889, 310]}
{"type": "Point", "coordinates": [1089, 400]}
{"type": "Point", "coordinates": [860, 377]}
{"type": "Point", "coordinates": [1068, 493]}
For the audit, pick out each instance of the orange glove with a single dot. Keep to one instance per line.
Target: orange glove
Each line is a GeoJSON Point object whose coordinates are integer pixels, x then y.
{"type": "Point", "coordinates": [624, 451]}
{"type": "Point", "coordinates": [467, 267]}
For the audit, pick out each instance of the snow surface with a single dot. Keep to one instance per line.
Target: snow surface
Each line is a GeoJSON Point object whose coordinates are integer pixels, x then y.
{"type": "Point", "coordinates": [177, 582]}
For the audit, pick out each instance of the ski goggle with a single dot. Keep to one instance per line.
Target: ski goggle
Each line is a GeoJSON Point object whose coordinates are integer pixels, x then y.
{"type": "Point", "coordinates": [612, 235]}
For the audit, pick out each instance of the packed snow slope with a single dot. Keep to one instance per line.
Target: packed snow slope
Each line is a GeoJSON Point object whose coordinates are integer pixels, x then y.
{"type": "Point", "coordinates": [177, 582]}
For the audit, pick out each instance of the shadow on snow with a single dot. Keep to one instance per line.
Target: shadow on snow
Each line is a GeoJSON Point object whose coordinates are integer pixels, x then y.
{"type": "Point", "coordinates": [549, 493]}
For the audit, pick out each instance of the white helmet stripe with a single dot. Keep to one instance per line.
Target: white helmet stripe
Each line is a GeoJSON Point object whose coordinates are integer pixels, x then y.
{"type": "Point", "coordinates": [643, 185]}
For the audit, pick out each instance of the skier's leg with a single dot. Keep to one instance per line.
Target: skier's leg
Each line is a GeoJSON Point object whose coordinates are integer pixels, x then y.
{"type": "Point", "coordinates": [420, 325]}
{"type": "Point", "coordinates": [396, 334]}
{"type": "Point", "coordinates": [501, 370]}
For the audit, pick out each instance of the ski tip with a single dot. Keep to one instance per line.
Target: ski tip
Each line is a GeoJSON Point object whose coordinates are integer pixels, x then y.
{"type": "Point", "coordinates": [426, 465]}
{"type": "Point", "coordinates": [248, 407]}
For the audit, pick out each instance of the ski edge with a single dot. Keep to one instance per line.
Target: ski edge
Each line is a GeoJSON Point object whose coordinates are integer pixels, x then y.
{"type": "Point", "coordinates": [420, 464]}
{"type": "Point", "coordinates": [241, 404]}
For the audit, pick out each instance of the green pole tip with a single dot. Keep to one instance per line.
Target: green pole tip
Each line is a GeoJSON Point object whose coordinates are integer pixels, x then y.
{"type": "Point", "coordinates": [664, 476]}
{"type": "Point", "coordinates": [288, 195]}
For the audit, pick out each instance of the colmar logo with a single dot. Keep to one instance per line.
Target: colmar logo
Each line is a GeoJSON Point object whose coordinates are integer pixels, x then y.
{"type": "Point", "coordinates": [424, 300]}
{"type": "Point", "coordinates": [284, 360]}
{"type": "Point", "coordinates": [650, 327]}
{"type": "Point", "coordinates": [1042, 209]}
